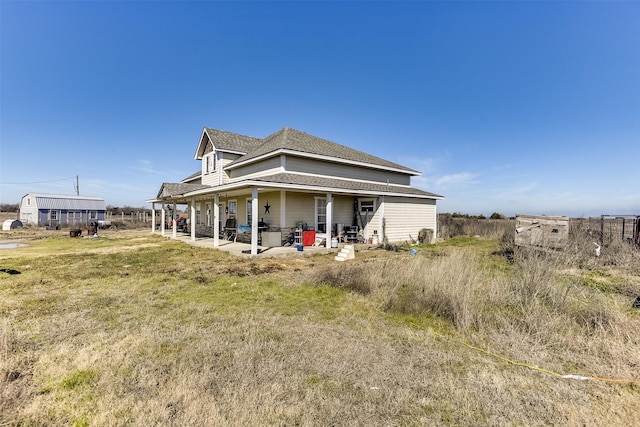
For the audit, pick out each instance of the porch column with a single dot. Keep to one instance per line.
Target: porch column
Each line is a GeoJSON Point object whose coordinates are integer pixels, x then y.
{"type": "Point", "coordinates": [174, 230]}
{"type": "Point", "coordinates": [283, 208]}
{"type": "Point", "coordinates": [163, 221]}
{"type": "Point", "coordinates": [216, 220]}
{"type": "Point", "coordinates": [254, 221]}
{"type": "Point", "coordinates": [329, 219]}
{"type": "Point", "coordinates": [192, 217]}
{"type": "Point", "coordinates": [153, 218]}
{"type": "Point", "coordinates": [381, 225]}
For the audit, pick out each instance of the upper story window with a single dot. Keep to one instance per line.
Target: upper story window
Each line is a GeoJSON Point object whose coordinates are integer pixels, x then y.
{"type": "Point", "coordinates": [367, 205]}
{"type": "Point", "coordinates": [210, 163]}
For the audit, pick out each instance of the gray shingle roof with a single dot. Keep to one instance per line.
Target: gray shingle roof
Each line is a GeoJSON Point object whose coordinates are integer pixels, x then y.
{"type": "Point", "coordinates": [304, 143]}
{"type": "Point", "coordinates": [171, 189]}
{"type": "Point", "coordinates": [224, 140]}
{"type": "Point", "coordinates": [342, 184]}
{"type": "Point", "coordinates": [196, 176]}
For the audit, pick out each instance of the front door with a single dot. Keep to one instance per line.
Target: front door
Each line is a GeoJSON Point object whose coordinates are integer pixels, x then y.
{"type": "Point", "coordinates": [54, 218]}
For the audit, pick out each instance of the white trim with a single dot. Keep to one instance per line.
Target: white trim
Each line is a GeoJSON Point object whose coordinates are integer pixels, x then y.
{"type": "Point", "coordinates": [254, 221]}
{"type": "Point", "coordinates": [322, 157]}
{"type": "Point", "coordinates": [283, 208]}
{"type": "Point", "coordinates": [249, 203]}
{"type": "Point", "coordinates": [315, 212]}
{"type": "Point", "coordinates": [235, 214]}
{"type": "Point", "coordinates": [197, 155]}
{"type": "Point", "coordinates": [153, 218]}
{"type": "Point", "coordinates": [381, 220]}
{"type": "Point", "coordinates": [220, 169]}
{"type": "Point", "coordinates": [192, 215]}
{"type": "Point", "coordinates": [367, 199]}
{"type": "Point", "coordinates": [270, 172]}
{"type": "Point", "coordinates": [329, 219]}
{"type": "Point", "coordinates": [299, 187]}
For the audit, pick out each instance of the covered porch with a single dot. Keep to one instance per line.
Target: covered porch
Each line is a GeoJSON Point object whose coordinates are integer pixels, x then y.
{"type": "Point", "coordinates": [244, 249]}
{"type": "Point", "coordinates": [252, 219]}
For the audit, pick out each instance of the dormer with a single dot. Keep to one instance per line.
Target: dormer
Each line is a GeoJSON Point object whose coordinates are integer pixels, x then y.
{"type": "Point", "coordinates": [218, 148]}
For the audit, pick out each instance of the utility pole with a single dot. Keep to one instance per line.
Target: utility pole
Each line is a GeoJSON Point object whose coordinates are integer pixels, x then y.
{"type": "Point", "coordinates": [77, 186]}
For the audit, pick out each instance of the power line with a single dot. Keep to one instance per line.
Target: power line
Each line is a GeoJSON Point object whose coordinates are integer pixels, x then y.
{"type": "Point", "coordinates": [36, 182]}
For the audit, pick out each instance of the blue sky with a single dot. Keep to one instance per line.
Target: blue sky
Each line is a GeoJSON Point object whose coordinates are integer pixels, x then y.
{"type": "Point", "coordinates": [511, 107]}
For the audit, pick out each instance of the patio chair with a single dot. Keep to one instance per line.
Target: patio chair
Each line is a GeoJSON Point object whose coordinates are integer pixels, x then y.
{"type": "Point", "coordinates": [230, 229]}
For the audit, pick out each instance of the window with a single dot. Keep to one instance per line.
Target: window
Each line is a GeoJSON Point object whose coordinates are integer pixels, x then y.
{"type": "Point", "coordinates": [208, 210]}
{"type": "Point", "coordinates": [367, 205]}
{"type": "Point", "coordinates": [54, 215]}
{"type": "Point", "coordinates": [233, 208]}
{"type": "Point", "coordinates": [28, 201]}
{"type": "Point", "coordinates": [210, 163]}
{"type": "Point", "coordinates": [321, 215]}
{"type": "Point", "coordinates": [249, 211]}
{"type": "Point", "coordinates": [198, 213]}
{"type": "Point", "coordinates": [93, 215]}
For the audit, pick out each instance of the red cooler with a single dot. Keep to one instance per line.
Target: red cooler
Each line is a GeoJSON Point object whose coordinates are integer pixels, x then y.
{"type": "Point", "coordinates": [308, 238]}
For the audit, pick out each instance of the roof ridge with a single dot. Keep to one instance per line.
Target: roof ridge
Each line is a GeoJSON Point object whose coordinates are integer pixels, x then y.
{"type": "Point", "coordinates": [232, 133]}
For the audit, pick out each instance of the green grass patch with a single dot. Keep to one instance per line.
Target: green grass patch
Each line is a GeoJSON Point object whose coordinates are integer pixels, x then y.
{"type": "Point", "coordinates": [603, 282]}
{"type": "Point", "coordinates": [229, 295]}
{"type": "Point", "coordinates": [77, 379]}
{"type": "Point", "coordinates": [469, 242]}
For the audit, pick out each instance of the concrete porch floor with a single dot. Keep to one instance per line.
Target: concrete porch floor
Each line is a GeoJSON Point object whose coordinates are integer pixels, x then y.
{"type": "Point", "coordinates": [244, 249]}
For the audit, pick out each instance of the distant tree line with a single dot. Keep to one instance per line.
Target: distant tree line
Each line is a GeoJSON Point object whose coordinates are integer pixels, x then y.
{"type": "Point", "coordinates": [9, 207]}
{"type": "Point", "coordinates": [128, 210]}
{"type": "Point", "coordinates": [495, 215]}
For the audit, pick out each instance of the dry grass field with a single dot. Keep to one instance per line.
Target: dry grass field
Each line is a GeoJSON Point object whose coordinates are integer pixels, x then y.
{"type": "Point", "coordinates": [135, 329]}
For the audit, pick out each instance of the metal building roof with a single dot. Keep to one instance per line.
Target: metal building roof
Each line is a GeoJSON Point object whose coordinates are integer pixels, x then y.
{"type": "Point", "coordinates": [65, 202]}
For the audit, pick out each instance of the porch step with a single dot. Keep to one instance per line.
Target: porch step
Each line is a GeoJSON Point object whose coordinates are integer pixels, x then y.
{"type": "Point", "coordinates": [347, 252]}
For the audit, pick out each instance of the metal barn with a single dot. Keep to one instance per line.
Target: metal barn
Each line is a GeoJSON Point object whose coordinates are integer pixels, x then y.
{"type": "Point", "coordinates": [54, 210]}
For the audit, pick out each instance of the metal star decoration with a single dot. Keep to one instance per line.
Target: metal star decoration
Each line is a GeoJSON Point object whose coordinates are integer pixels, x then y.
{"type": "Point", "coordinates": [266, 208]}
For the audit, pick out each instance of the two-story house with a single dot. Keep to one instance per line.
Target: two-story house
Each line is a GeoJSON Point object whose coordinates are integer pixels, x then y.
{"type": "Point", "coordinates": [291, 179]}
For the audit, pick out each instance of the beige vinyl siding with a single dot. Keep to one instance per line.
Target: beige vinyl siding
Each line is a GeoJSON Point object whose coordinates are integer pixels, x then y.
{"type": "Point", "coordinates": [211, 177]}
{"type": "Point", "coordinates": [225, 159]}
{"type": "Point", "coordinates": [405, 217]}
{"type": "Point", "coordinates": [342, 210]}
{"type": "Point", "coordinates": [374, 226]}
{"type": "Point", "coordinates": [273, 217]}
{"type": "Point", "coordinates": [300, 207]}
{"type": "Point", "coordinates": [317, 167]}
{"type": "Point", "coordinates": [265, 167]}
